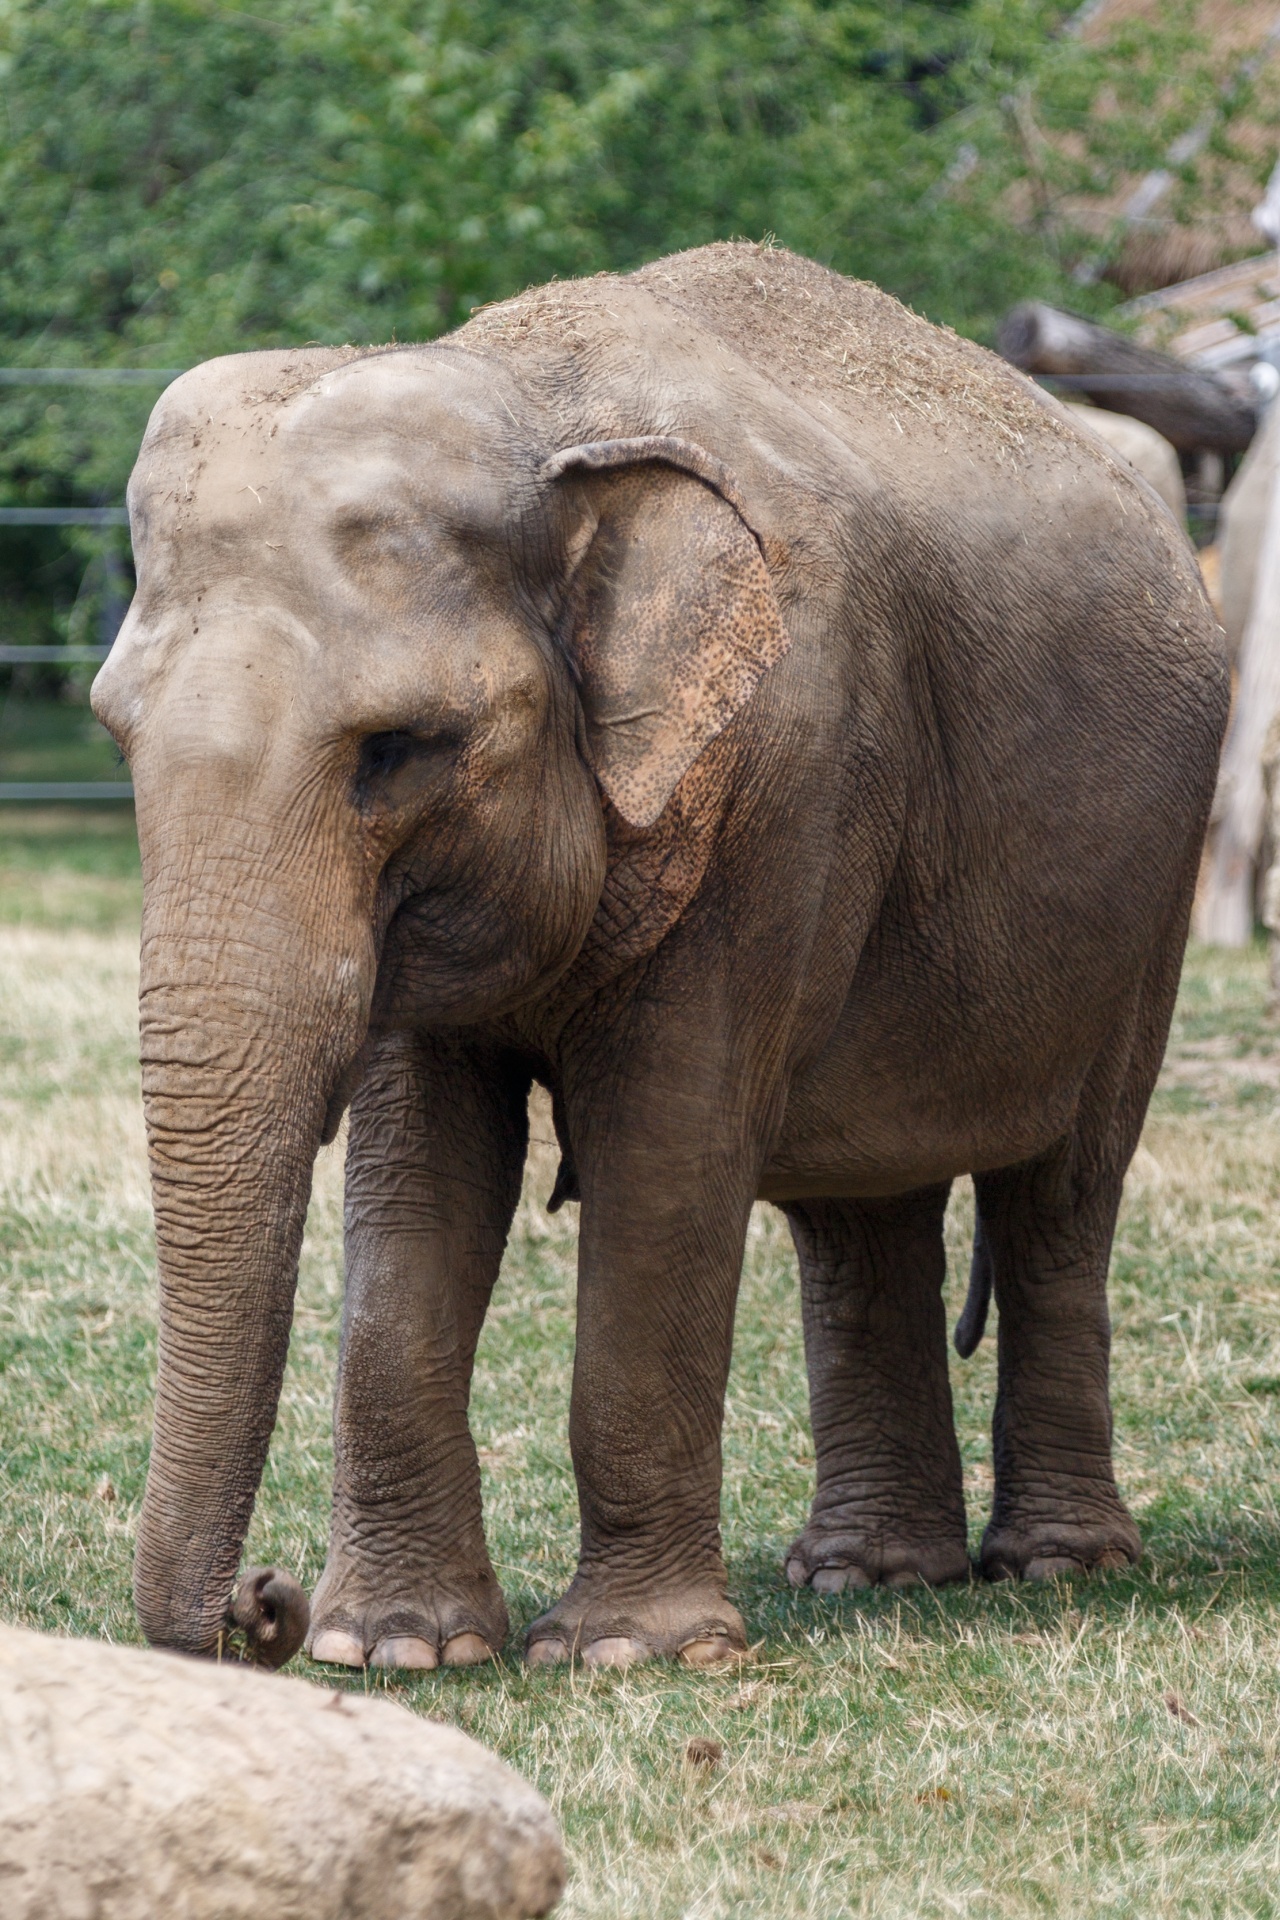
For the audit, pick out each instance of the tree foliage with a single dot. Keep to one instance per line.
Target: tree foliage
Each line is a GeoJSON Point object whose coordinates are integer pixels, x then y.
{"type": "Point", "coordinates": [179, 179]}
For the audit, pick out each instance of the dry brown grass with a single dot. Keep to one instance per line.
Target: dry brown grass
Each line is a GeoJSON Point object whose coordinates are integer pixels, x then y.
{"type": "Point", "coordinates": [985, 1751]}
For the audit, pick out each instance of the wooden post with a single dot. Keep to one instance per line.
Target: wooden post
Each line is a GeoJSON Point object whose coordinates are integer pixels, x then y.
{"type": "Point", "coordinates": [1193, 410]}
{"type": "Point", "coordinates": [1224, 907]}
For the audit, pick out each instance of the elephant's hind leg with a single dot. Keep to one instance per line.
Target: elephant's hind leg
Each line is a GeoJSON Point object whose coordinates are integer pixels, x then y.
{"type": "Point", "coordinates": [1057, 1509]}
{"type": "Point", "coordinates": [889, 1504]}
{"type": "Point", "coordinates": [438, 1134]}
{"type": "Point", "coordinates": [1048, 1226]}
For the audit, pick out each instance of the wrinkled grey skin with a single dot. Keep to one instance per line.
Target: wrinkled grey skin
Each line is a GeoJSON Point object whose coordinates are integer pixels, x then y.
{"type": "Point", "coordinates": [759, 717]}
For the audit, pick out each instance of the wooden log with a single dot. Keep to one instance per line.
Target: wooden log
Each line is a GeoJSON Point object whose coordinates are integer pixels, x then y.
{"type": "Point", "coordinates": [1194, 410]}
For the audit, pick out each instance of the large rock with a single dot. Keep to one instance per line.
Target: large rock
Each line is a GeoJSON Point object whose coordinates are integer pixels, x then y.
{"type": "Point", "coordinates": [136, 1784]}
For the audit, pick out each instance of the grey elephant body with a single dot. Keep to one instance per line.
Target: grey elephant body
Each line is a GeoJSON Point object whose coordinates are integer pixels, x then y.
{"type": "Point", "coordinates": [817, 737]}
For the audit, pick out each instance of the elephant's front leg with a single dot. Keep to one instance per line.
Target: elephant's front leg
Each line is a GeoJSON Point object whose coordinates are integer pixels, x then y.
{"type": "Point", "coordinates": [437, 1143]}
{"type": "Point", "coordinates": [660, 1254]}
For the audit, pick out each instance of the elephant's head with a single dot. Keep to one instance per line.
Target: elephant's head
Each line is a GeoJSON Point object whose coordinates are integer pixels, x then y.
{"type": "Point", "coordinates": [388, 646]}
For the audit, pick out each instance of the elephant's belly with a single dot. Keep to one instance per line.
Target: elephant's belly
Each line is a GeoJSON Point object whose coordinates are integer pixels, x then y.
{"type": "Point", "coordinates": [863, 1123]}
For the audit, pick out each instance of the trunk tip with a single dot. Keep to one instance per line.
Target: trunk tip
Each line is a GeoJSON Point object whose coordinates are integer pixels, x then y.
{"type": "Point", "coordinates": [270, 1609]}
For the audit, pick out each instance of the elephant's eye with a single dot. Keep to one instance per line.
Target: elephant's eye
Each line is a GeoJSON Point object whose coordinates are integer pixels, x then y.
{"type": "Point", "coordinates": [391, 765]}
{"type": "Point", "coordinates": [386, 753]}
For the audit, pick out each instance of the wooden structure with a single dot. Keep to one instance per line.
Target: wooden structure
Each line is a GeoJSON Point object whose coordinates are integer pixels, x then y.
{"type": "Point", "coordinates": [1194, 410]}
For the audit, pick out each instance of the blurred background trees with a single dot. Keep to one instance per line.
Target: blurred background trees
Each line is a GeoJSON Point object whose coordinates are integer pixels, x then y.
{"type": "Point", "coordinates": [180, 179]}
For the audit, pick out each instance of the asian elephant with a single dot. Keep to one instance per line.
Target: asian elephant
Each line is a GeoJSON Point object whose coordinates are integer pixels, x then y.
{"type": "Point", "coordinates": [765, 720]}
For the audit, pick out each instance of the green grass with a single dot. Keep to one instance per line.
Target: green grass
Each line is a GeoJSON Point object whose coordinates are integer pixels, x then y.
{"type": "Point", "coordinates": [1001, 1751]}
{"type": "Point", "coordinates": [44, 739]}
{"type": "Point", "coordinates": [69, 867]}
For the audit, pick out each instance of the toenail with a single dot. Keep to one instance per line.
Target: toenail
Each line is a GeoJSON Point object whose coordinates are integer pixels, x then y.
{"type": "Point", "coordinates": [465, 1650]}
{"type": "Point", "coordinates": [797, 1573]}
{"type": "Point", "coordinates": [1051, 1566]}
{"type": "Point", "coordinates": [616, 1650]}
{"type": "Point", "coordinates": [830, 1580]}
{"type": "Point", "coordinates": [709, 1651]}
{"type": "Point", "coordinates": [902, 1579]}
{"type": "Point", "coordinates": [333, 1648]}
{"type": "Point", "coordinates": [1112, 1559]}
{"type": "Point", "coordinates": [405, 1650]}
{"type": "Point", "coordinates": [546, 1653]}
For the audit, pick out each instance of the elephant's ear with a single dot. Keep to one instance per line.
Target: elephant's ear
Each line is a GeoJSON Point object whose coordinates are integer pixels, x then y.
{"type": "Point", "coordinates": [671, 618]}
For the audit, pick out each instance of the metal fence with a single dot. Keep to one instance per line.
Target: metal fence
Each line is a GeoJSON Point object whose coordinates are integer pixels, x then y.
{"type": "Point", "coordinates": [68, 656]}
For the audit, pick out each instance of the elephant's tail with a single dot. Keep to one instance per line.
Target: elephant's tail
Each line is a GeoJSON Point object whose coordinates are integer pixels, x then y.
{"type": "Point", "coordinates": [973, 1320]}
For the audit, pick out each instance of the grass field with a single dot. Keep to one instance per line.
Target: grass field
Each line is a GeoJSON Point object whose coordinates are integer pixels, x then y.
{"type": "Point", "coordinates": [1109, 1748]}
{"type": "Point", "coordinates": [42, 739]}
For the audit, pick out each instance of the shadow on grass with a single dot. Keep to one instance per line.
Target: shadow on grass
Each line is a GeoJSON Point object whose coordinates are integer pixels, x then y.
{"type": "Point", "coordinates": [1193, 1559]}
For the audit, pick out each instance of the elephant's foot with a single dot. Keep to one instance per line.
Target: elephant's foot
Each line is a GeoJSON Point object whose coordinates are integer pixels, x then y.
{"type": "Point", "coordinates": [371, 1616]}
{"type": "Point", "coordinates": [1047, 1549]}
{"type": "Point", "coordinates": [832, 1557]}
{"type": "Point", "coordinates": [606, 1622]}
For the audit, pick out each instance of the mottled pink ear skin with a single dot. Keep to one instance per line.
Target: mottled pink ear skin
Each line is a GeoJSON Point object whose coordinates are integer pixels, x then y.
{"type": "Point", "coordinates": [672, 624]}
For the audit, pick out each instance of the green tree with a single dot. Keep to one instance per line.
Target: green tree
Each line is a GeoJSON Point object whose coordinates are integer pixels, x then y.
{"type": "Point", "coordinates": [179, 179]}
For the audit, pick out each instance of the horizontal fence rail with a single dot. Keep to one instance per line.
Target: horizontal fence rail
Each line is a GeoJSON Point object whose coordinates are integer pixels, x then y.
{"type": "Point", "coordinates": [51, 656]}
{"type": "Point", "coordinates": [64, 516]}
{"type": "Point", "coordinates": [49, 792]}
{"type": "Point", "coordinates": [88, 376]}
{"type": "Point", "coordinates": [27, 792]}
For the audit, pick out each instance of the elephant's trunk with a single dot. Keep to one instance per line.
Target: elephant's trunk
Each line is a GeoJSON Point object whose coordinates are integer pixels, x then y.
{"type": "Point", "coordinates": [250, 1011]}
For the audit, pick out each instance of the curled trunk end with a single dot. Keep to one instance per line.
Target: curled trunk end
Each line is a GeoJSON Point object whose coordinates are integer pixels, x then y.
{"type": "Point", "coordinates": [272, 1612]}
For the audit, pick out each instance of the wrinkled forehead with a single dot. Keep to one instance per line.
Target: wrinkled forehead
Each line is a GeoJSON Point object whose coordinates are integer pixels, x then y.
{"type": "Point", "coordinates": [322, 421]}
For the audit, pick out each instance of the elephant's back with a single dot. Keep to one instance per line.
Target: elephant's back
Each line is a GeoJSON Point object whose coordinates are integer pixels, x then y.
{"type": "Point", "coordinates": [958, 437]}
{"type": "Point", "coordinates": [960, 506]}
{"type": "Point", "coordinates": [1000, 498]}
{"type": "Point", "coordinates": [847, 345]}
{"type": "Point", "coordinates": [973, 469]}
{"type": "Point", "coordinates": [1052, 624]}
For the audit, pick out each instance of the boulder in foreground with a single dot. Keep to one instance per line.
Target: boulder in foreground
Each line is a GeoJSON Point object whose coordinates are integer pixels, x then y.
{"type": "Point", "coordinates": [134, 1784]}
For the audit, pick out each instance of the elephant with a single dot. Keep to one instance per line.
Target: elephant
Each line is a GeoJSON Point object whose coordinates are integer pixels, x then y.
{"type": "Point", "coordinates": [769, 723]}
{"type": "Point", "coordinates": [1154, 457]}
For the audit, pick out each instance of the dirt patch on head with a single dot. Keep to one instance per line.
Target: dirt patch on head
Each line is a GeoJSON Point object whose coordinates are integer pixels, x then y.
{"type": "Point", "coordinates": [244, 387]}
{"type": "Point", "coordinates": [299, 375]}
